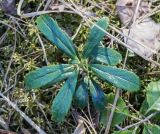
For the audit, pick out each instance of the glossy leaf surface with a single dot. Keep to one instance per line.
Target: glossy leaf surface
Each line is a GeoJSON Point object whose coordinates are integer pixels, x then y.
{"type": "Point", "coordinates": [95, 36]}
{"type": "Point", "coordinates": [62, 102]}
{"type": "Point", "coordinates": [47, 75]}
{"type": "Point", "coordinates": [118, 77]}
{"type": "Point", "coordinates": [51, 30]}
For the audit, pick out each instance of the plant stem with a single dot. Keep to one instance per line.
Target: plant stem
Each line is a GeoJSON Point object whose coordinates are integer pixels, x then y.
{"type": "Point", "coordinates": [140, 122]}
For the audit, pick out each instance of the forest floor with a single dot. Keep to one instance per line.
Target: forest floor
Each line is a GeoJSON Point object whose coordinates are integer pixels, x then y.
{"type": "Point", "coordinates": [23, 49]}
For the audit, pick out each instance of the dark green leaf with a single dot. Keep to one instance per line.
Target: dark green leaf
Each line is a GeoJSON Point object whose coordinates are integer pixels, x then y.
{"type": "Point", "coordinates": [118, 77]}
{"type": "Point", "coordinates": [120, 113]}
{"type": "Point", "coordinates": [144, 107]}
{"type": "Point", "coordinates": [62, 102]}
{"type": "Point", "coordinates": [47, 75]}
{"type": "Point", "coordinates": [151, 129]}
{"type": "Point", "coordinates": [81, 95]}
{"type": "Point", "coordinates": [95, 36]}
{"type": "Point", "coordinates": [123, 132]}
{"type": "Point", "coordinates": [98, 96]}
{"type": "Point", "coordinates": [153, 96]}
{"type": "Point", "coordinates": [52, 31]}
{"type": "Point", "coordinates": [106, 55]}
{"type": "Point", "coordinates": [145, 110]}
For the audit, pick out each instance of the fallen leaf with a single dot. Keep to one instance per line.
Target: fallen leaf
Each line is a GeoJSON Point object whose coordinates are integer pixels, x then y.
{"type": "Point", "coordinates": [8, 6]}
{"type": "Point", "coordinates": [126, 9]}
{"type": "Point", "coordinates": [147, 32]}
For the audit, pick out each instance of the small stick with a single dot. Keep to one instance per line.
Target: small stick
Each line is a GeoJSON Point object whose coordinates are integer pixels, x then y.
{"type": "Point", "coordinates": [9, 64]}
{"type": "Point", "coordinates": [140, 122]}
{"type": "Point", "coordinates": [14, 106]}
{"type": "Point", "coordinates": [43, 48]}
{"type": "Point", "coordinates": [112, 112]}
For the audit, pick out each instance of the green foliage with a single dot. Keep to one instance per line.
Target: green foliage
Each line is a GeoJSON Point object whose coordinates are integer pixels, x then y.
{"type": "Point", "coordinates": [123, 132]}
{"type": "Point", "coordinates": [81, 95]}
{"type": "Point", "coordinates": [52, 31]}
{"type": "Point", "coordinates": [98, 97]}
{"type": "Point", "coordinates": [48, 75]}
{"type": "Point", "coordinates": [118, 77]}
{"type": "Point", "coordinates": [55, 73]}
{"type": "Point", "coordinates": [152, 100]}
{"type": "Point", "coordinates": [120, 114]}
{"type": "Point", "coordinates": [153, 96]}
{"type": "Point", "coordinates": [151, 129]}
{"type": "Point", "coordinates": [144, 107]}
{"type": "Point", "coordinates": [106, 55]}
{"type": "Point", "coordinates": [151, 104]}
{"type": "Point", "coordinates": [95, 36]}
{"type": "Point", "coordinates": [62, 102]}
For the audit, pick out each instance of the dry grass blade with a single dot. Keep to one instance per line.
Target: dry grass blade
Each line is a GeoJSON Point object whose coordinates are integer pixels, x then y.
{"type": "Point", "coordinates": [140, 122]}
{"type": "Point", "coordinates": [43, 48]}
{"type": "Point", "coordinates": [14, 106]}
{"type": "Point", "coordinates": [80, 129]}
{"type": "Point", "coordinates": [3, 123]}
{"type": "Point", "coordinates": [33, 14]}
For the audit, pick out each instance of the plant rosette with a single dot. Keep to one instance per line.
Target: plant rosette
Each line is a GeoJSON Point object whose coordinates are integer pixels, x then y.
{"type": "Point", "coordinates": [95, 60]}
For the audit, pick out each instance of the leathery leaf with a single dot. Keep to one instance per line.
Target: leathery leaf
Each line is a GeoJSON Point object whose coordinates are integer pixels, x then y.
{"type": "Point", "coordinates": [47, 75]}
{"type": "Point", "coordinates": [118, 77]}
{"type": "Point", "coordinates": [62, 102]}
{"type": "Point", "coordinates": [106, 55]}
{"type": "Point", "coordinates": [98, 96]}
{"type": "Point", "coordinates": [81, 94]}
{"type": "Point", "coordinates": [95, 36]}
{"type": "Point", "coordinates": [52, 31]}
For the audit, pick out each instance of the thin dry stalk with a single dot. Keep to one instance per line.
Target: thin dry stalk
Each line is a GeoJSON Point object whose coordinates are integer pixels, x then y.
{"type": "Point", "coordinates": [10, 26]}
{"type": "Point", "coordinates": [88, 122]}
{"type": "Point", "coordinates": [112, 112]}
{"type": "Point", "coordinates": [140, 122]}
{"type": "Point", "coordinates": [33, 14]}
{"type": "Point", "coordinates": [43, 49]}
{"type": "Point", "coordinates": [9, 65]}
{"type": "Point", "coordinates": [14, 106]}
